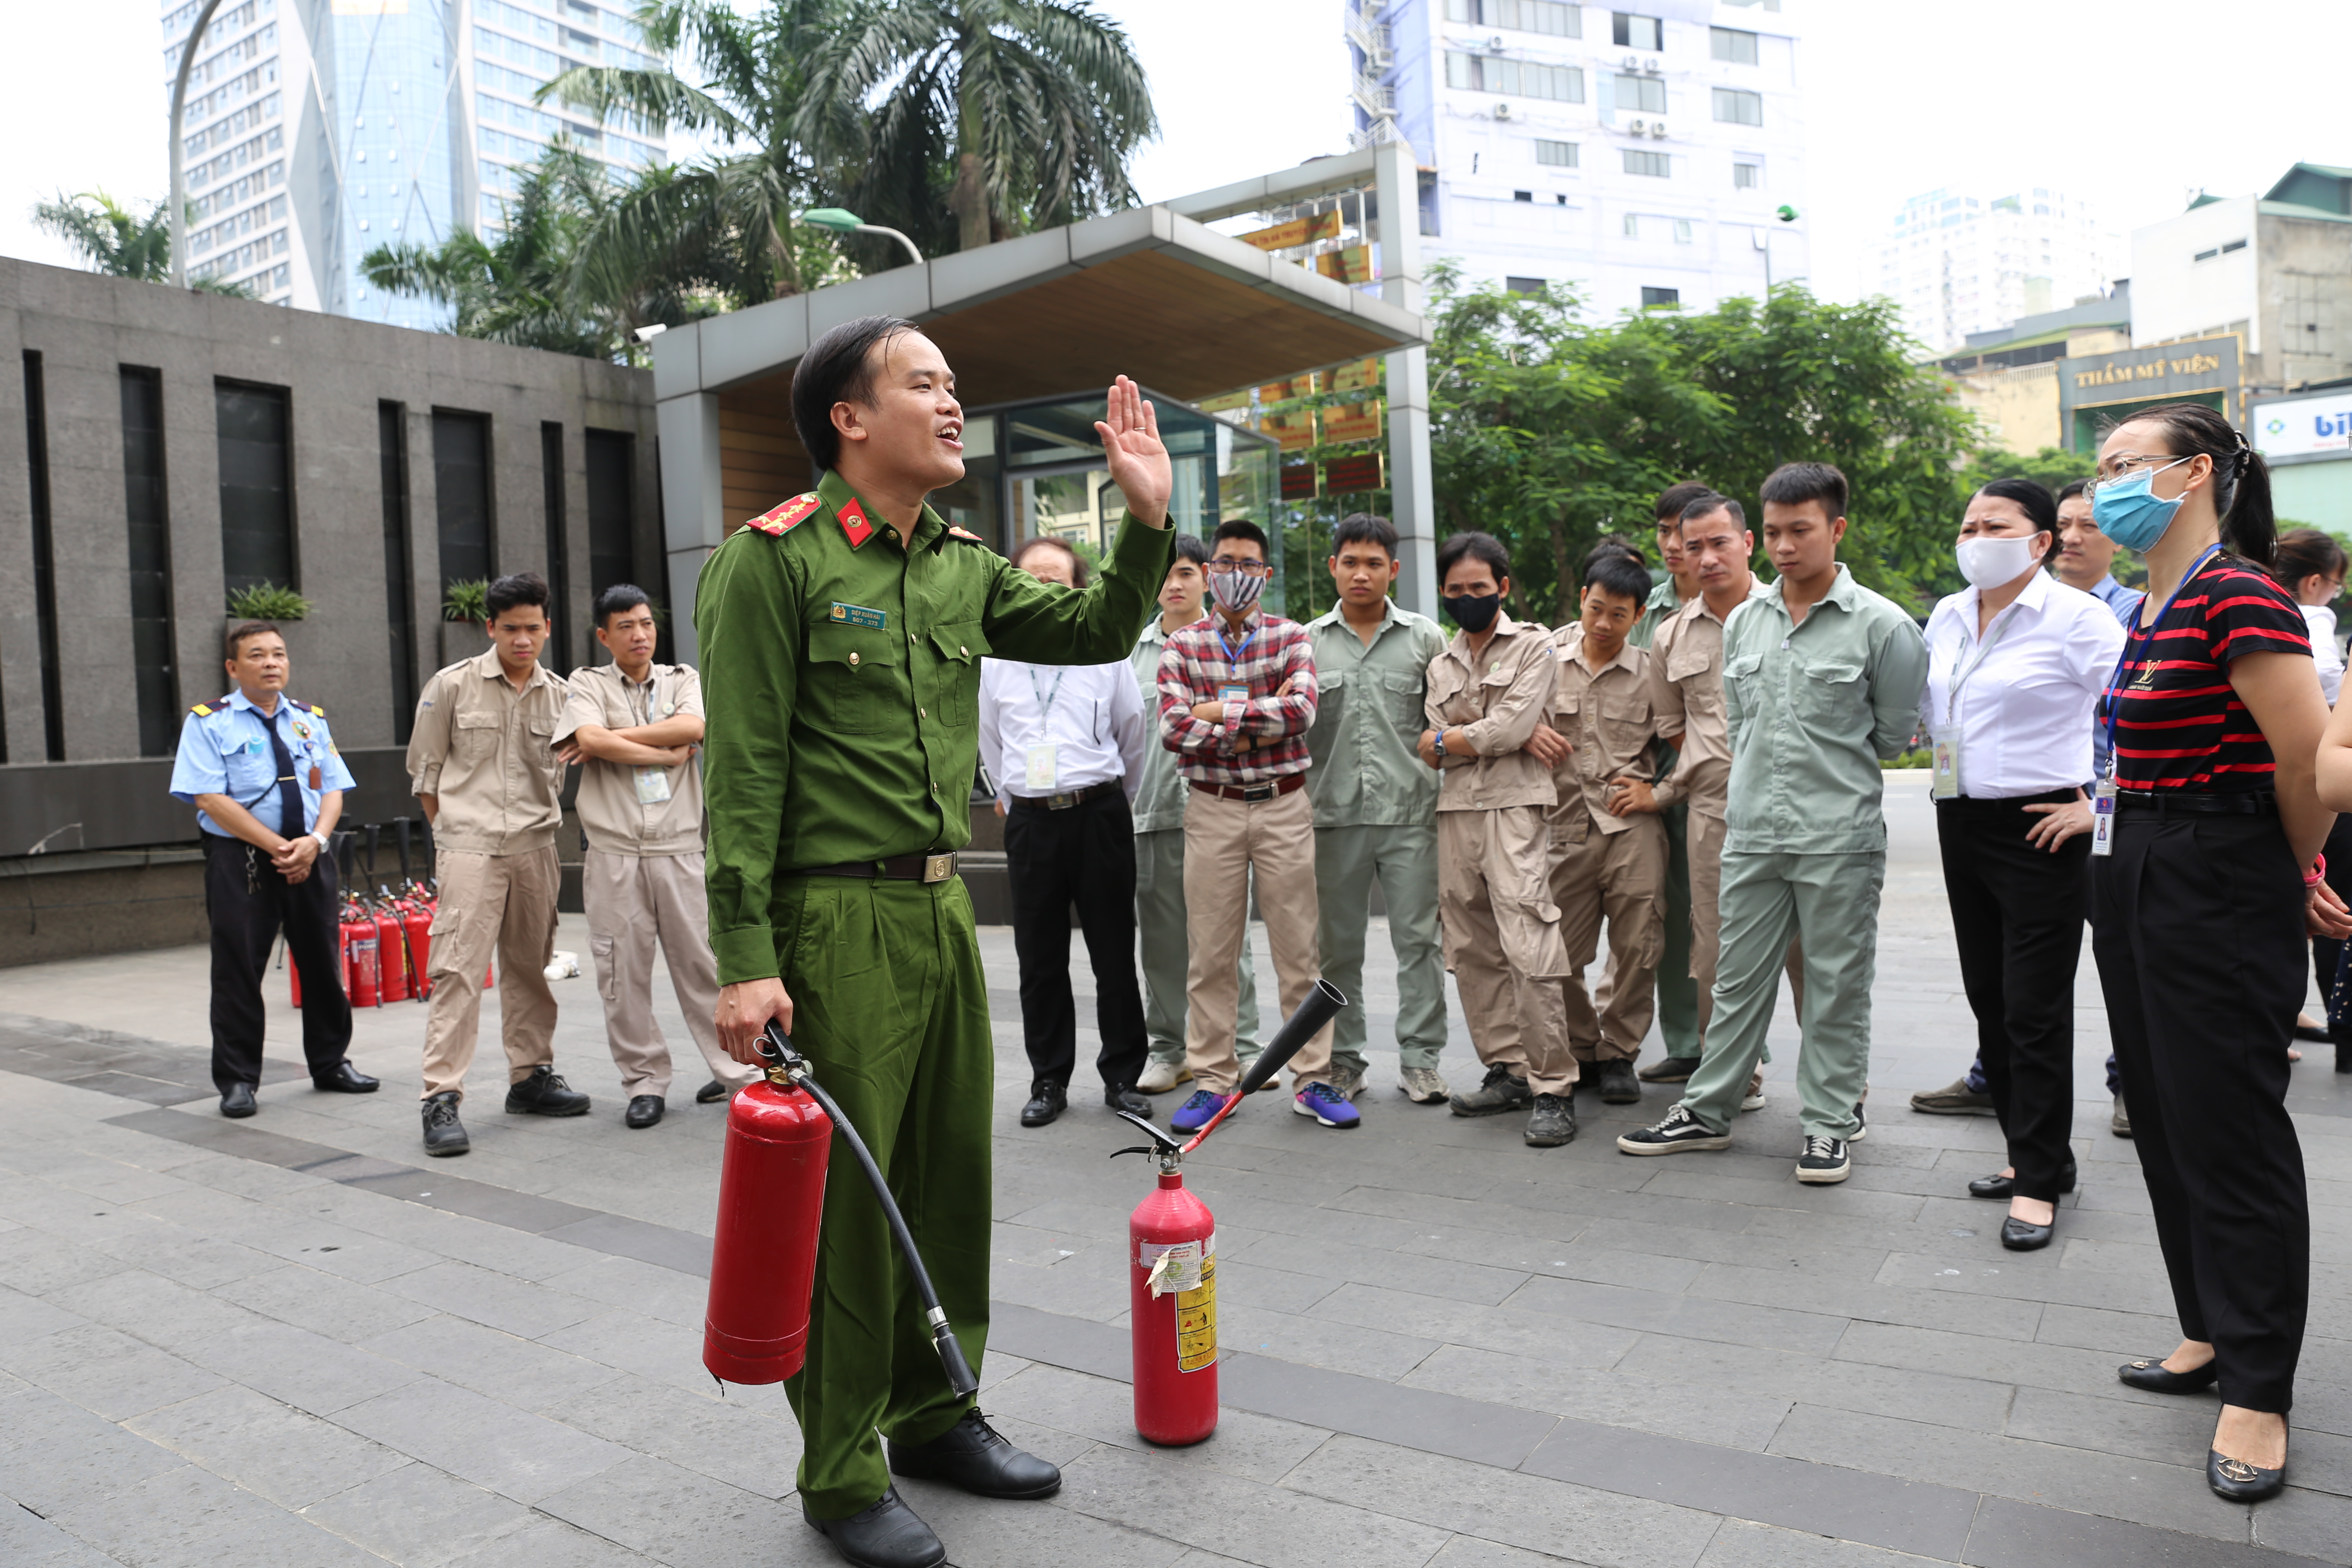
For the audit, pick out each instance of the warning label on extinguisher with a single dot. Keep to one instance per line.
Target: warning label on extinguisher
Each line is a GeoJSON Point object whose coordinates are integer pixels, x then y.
{"type": "Point", "coordinates": [1196, 1319]}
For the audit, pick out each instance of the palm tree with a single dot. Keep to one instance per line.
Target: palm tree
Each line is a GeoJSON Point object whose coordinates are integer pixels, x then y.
{"type": "Point", "coordinates": [123, 243]}
{"type": "Point", "coordinates": [1035, 105]}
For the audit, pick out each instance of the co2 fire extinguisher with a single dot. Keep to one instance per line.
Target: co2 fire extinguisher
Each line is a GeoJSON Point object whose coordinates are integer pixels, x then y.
{"type": "Point", "coordinates": [1171, 1258]}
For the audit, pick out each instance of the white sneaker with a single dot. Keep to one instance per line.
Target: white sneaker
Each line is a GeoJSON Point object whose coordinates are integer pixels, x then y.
{"type": "Point", "coordinates": [1754, 1098]}
{"type": "Point", "coordinates": [1349, 1081]}
{"type": "Point", "coordinates": [1158, 1077]}
{"type": "Point", "coordinates": [1422, 1085]}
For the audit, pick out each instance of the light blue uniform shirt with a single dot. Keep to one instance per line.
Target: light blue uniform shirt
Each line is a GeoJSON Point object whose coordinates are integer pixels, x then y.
{"type": "Point", "coordinates": [225, 750]}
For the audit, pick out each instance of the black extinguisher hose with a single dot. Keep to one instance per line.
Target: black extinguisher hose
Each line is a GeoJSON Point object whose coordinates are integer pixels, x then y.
{"type": "Point", "coordinates": [777, 1049]}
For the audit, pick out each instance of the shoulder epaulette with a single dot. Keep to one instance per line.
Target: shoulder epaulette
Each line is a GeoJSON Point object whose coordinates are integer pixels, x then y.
{"type": "Point", "coordinates": [778, 520]}
{"type": "Point", "coordinates": [310, 707]}
{"type": "Point", "coordinates": [202, 711]}
{"type": "Point", "coordinates": [967, 535]}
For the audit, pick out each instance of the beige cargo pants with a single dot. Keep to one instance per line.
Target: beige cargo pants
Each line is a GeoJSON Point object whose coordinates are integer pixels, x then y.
{"type": "Point", "coordinates": [635, 902]}
{"type": "Point", "coordinates": [1623, 877]}
{"type": "Point", "coordinates": [502, 904]}
{"type": "Point", "coordinates": [1502, 941]}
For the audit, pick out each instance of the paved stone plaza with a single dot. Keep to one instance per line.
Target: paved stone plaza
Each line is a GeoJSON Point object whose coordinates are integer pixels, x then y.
{"type": "Point", "coordinates": [295, 1341]}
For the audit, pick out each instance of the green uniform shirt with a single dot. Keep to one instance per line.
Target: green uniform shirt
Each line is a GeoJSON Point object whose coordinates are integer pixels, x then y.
{"type": "Point", "coordinates": [1369, 719]}
{"type": "Point", "coordinates": [1811, 708]}
{"type": "Point", "coordinates": [1160, 801]}
{"type": "Point", "coordinates": [1663, 601]}
{"type": "Point", "coordinates": [841, 677]}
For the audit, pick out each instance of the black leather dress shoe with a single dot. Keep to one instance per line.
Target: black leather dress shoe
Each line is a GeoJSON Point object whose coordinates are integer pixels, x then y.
{"type": "Point", "coordinates": [645, 1110]}
{"type": "Point", "coordinates": [2154, 1378]}
{"type": "Point", "coordinates": [2024, 1236]}
{"type": "Point", "coordinates": [444, 1132]}
{"type": "Point", "coordinates": [1122, 1097]}
{"type": "Point", "coordinates": [2234, 1480]}
{"type": "Point", "coordinates": [971, 1455]}
{"type": "Point", "coordinates": [345, 1078]}
{"type": "Point", "coordinates": [1046, 1100]}
{"type": "Point", "coordinates": [238, 1100]}
{"type": "Point", "coordinates": [887, 1535]}
{"type": "Point", "coordinates": [545, 1093]}
{"type": "Point", "coordinates": [711, 1093]}
{"type": "Point", "coordinates": [2005, 1188]}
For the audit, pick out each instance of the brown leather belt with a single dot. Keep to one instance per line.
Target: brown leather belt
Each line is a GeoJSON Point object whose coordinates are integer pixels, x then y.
{"type": "Point", "coordinates": [936, 868]}
{"type": "Point", "coordinates": [1252, 792]}
{"type": "Point", "coordinates": [1068, 798]}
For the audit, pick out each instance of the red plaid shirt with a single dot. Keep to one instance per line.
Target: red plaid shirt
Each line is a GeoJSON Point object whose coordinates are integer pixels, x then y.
{"type": "Point", "coordinates": [1198, 664]}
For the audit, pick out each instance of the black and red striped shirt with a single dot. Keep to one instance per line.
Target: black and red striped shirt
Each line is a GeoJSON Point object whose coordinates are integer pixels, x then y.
{"type": "Point", "coordinates": [2178, 725]}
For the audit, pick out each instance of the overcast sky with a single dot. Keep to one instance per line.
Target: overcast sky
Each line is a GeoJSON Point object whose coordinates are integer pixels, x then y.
{"type": "Point", "coordinates": [2130, 104]}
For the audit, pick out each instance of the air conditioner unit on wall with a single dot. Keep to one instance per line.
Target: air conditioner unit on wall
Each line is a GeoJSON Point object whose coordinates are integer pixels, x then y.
{"type": "Point", "coordinates": [1657, 129]}
{"type": "Point", "coordinates": [1639, 127]}
{"type": "Point", "coordinates": [1501, 112]}
{"type": "Point", "coordinates": [1633, 64]}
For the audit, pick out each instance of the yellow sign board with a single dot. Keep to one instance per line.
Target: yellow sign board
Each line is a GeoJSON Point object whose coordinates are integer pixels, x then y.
{"type": "Point", "coordinates": [1352, 422]}
{"type": "Point", "coordinates": [1351, 266]}
{"type": "Point", "coordinates": [1224, 403]}
{"type": "Point", "coordinates": [1364, 375]}
{"type": "Point", "coordinates": [1298, 231]}
{"type": "Point", "coordinates": [1284, 391]}
{"type": "Point", "coordinates": [1294, 432]}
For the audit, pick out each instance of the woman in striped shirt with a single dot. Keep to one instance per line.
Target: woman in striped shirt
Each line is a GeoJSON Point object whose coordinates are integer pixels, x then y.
{"type": "Point", "coordinates": [2209, 825]}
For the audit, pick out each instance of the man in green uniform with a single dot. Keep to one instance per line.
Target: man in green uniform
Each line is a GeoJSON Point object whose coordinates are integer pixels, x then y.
{"type": "Point", "coordinates": [841, 635]}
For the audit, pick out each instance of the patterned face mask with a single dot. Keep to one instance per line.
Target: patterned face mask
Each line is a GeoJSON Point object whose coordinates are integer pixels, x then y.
{"type": "Point", "coordinates": [1236, 591]}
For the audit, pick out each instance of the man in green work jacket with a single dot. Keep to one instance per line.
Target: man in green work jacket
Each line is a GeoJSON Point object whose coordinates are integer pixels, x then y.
{"type": "Point", "coordinates": [841, 639]}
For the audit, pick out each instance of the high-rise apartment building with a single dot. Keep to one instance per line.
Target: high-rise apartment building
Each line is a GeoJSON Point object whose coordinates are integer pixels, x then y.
{"type": "Point", "coordinates": [1640, 157]}
{"type": "Point", "coordinates": [1969, 261]}
{"type": "Point", "coordinates": [317, 130]}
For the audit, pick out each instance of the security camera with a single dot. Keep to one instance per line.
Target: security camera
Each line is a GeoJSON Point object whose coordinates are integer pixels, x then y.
{"type": "Point", "coordinates": [647, 334]}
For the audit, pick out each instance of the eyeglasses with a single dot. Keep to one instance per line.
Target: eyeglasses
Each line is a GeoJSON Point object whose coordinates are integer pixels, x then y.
{"type": "Point", "coordinates": [2126, 464]}
{"type": "Point", "coordinates": [1247, 568]}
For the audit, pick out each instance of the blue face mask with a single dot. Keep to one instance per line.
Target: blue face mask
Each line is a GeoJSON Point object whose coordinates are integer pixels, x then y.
{"type": "Point", "coordinates": [2129, 512]}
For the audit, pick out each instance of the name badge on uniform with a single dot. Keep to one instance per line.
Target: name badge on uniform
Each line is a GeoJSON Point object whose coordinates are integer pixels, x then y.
{"type": "Point", "coordinates": [653, 786]}
{"type": "Point", "coordinates": [1232, 696]}
{"type": "Point", "coordinates": [1045, 768]}
{"type": "Point", "coordinates": [1944, 765]}
{"type": "Point", "coordinates": [2103, 817]}
{"type": "Point", "coordinates": [859, 616]}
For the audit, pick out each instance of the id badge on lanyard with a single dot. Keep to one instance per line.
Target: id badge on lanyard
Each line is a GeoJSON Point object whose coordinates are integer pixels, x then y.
{"type": "Point", "coordinates": [1944, 765]}
{"type": "Point", "coordinates": [653, 786]}
{"type": "Point", "coordinates": [1045, 768]}
{"type": "Point", "coordinates": [2102, 814]}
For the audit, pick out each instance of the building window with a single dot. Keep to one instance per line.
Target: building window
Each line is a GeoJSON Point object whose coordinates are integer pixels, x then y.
{"type": "Point", "coordinates": [461, 496]}
{"type": "Point", "coordinates": [1633, 227]}
{"type": "Point", "coordinates": [1524, 16]}
{"type": "Point", "coordinates": [1631, 32]}
{"type": "Point", "coordinates": [1653, 298]}
{"type": "Point", "coordinates": [611, 515]}
{"type": "Point", "coordinates": [1523, 285]}
{"type": "Point", "coordinates": [149, 517]}
{"type": "Point", "coordinates": [1682, 231]}
{"type": "Point", "coordinates": [399, 590]}
{"type": "Point", "coordinates": [1657, 166]}
{"type": "Point", "coordinates": [256, 493]}
{"type": "Point", "coordinates": [1647, 93]}
{"type": "Point", "coordinates": [1731, 44]}
{"type": "Point", "coordinates": [1517, 78]}
{"type": "Point", "coordinates": [45, 563]}
{"type": "Point", "coordinates": [1556, 154]}
{"type": "Point", "coordinates": [1735, 106]}
{"type": "Point", "coordinates": [1523, 195]}
{"type": "Point", "coordinates": [1746, 176]}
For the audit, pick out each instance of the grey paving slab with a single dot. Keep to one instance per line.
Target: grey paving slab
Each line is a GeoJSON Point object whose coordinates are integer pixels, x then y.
{"type": "Point", "coordinates": [1246, 1444]}
{"type": "Point", "coordinates": [625, 1237]}
{"type": "Point", "coordinates": [1739, 1544]}
{"type": "Point", "coordinates": [1770, 1328]}
{"type": "Point", "coordinates": [2309, 1524]}
{"type": "Point", "coordinates": [1613, 1398]}
{"type": "Point", "coordinates": [673, 1515]}
{"type": "Point", "coordinates": [1310, 1339]}
{"type": "Point", "coordinates": [752, 1448]}
{"type": "Point", "coordinates": [551, 1543]}
{"type": "Point", "coordinates": [1720, 1370]}
{"type": "Point", "coordinates": [517, 1370]}
{"type": "Point", "coordinates": [1469, 1552]}
{"type": "Point", "coordinates": [292, 1459]}
{"type": "Point", "coordinates": [509, 1451]}
{"type": "Point", "coordinates": [190, 1518]}
{"type": "Point", "coordinates": [323, 1303]}
{"type": "Point", "coordinates": [29, 1540]}
{"type": "Point", "coordinates": [1274, 1527]}
{"type": "Point", "coordinates": [2012, 1534]}
{"type": "Point", "coordinates": [1509, 1330]}
{"type": "Point", "coordinates": [421, 1517]}
{"type": "Point", "coordinates": [56, 1456]}
{"type": "Point", "coordinates": [106, 1370]}
{"type": "Point", "coordinates": [35, 1261]}
{"type": "Point", "coordinates": [499, 1301]}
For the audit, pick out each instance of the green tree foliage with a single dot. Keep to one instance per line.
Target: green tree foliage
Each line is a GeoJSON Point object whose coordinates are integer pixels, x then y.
{"type": "Point", "coordinates": [120, 243]}
{"type": "Point", "coordinates": [2052, 467]}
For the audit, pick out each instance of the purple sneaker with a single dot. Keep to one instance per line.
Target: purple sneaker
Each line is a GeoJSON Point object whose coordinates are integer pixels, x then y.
{"type": "Point", "coordinates": [1326, 1105]}
{"type": "Point", "coordinates": [1198, 1111]}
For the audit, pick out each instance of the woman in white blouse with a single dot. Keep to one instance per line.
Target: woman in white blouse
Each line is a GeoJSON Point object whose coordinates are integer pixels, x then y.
{"type": "Point", "coordinates": [2310, 566]}
{"type": "Point", "coordinates": [2016, 663]}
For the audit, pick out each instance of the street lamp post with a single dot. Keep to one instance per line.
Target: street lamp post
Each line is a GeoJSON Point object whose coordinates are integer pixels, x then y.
{"type": "Point", "coordinates": [840, 220]}
{"type": "Point", "coordinates": [179, 148]}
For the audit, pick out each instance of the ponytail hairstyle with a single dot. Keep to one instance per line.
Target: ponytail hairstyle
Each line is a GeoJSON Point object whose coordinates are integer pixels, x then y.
{"type": "Point", "coordinates": [2035, 502]}
{"type": "Point", "coordinates": [2306, 553]}
{"type": "Point", "coordinates": [2241, 481]}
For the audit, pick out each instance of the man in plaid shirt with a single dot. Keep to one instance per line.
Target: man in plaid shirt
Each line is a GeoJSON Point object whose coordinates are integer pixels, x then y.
{"type": "Point", "coordinates": [1236, 697]}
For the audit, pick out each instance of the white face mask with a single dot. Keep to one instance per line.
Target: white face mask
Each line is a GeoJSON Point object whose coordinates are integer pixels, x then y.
{"type": "Point", "coordinates": [1988, 561]}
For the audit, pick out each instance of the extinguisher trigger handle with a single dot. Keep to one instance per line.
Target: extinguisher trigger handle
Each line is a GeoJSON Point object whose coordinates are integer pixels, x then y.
{"type": "Point", "coordinates": [1160, 1140]}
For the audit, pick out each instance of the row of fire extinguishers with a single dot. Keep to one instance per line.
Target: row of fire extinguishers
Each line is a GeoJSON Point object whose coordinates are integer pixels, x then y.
{"type": "Point", "coordinates": [386, 936]}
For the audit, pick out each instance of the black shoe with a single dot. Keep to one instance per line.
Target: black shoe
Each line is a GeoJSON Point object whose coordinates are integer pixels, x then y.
{"type": "Point", "coordinates": [238, 1101]}
{"type": "Point", "coordinates": [1824, 1161]}
{"type": "Point", "coordinates": [1552, 1122]}
{"type": "Point", "coordinates": [2155, 1377]}
{"type": "Point", "coordinates": [887, 1535]}
{"type": "Point", "coordinates": [1619, 1086]}
{"type": "Point", "coordinates": [2005, 1188]}
{"type": "Point", "coordinates": [444, 1133]}
{"type": "Point", "coordinates": [711, 1093]}
{"type": "Point", "coordinates": [1046, 1100]}
{"type": "Point", "coordinates": [1679, 1133]}
{"type": "Point", "coordinates": [1500, 1093]}
{"type": "Point", "coordinates": [2234, 1480]}
{"type": "Point", "coordinates": [1119, 1097]}
{"type": "Point", "coordinates": [545, 1093]}
{"type": "Point", "coordinates": [2024, 1236]}
{"type": "Point", "coordinates": [1669, 1069]}
{"type": "Point", "coordinates": [345, 1078]}
{"type": "Point", "coordinates": [645, 1110]}
{"type": "Point", "coordinates": [971, 1455]}
{"type": "Point", "coordinates": [2315, 1032]}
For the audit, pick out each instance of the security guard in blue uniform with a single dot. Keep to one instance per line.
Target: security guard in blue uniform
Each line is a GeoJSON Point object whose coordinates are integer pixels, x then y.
{"type": "Point", "coordinates": [263, 773]}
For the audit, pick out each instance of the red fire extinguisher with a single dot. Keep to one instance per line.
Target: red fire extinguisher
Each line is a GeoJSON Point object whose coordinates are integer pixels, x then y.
{"type": "Point", "coordinates": [771, 1206]}
{"type": "Point", "coordinates": [360, 956]}
{"type": "Point", "coordinates": [1171, 1258]}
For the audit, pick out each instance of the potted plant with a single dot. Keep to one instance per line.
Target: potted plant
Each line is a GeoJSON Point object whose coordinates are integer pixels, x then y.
{"type": "Point", "coordinates": [283, 607]}
{"type": "Point", "coordinates": [465, 608]}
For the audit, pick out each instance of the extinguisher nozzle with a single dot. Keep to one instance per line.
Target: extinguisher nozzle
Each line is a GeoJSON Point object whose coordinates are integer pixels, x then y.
{"type": "Point", "coordinates": [960, 1381]}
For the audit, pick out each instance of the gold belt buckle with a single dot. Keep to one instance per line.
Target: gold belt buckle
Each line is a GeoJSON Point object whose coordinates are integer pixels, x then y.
{"type": "Point", "coordinates": [939, 868]}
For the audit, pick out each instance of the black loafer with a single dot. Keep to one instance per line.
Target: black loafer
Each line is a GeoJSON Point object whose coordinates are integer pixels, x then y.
{"type": "Point", "coordinates": [545, 1093]}
{"type": "Point", "coordinates": [711, 1093]}
{"type": "Point", "coordinates": [972, 1455]}
{"type": "Point", "coordinates": [345, 1078]}
{"type": "Point", "coordinates": [645, 1110]}
{"type": "Point", "coordinates": [2024, 1236]}
{"type": "Point", "coordinates": [2005, 1188]}
{"type": "Point", "coordinates": [2155, 1377]}
{"type": "Point", "coordinates": [2234, 1480]}
{"type": "Point", "coordinates": [1122, 1097]}
{"type": "Point", "coordinates": [238, 1101]}
{"type": "Point", "coordinates": [887, 1535]}
{"type": "Point", "coordinates": [1046, 1100]}
{"type": "Point", "coordinates": [1669, 1069]}
{"type": "Point", "coordinates": [2318, 1033]}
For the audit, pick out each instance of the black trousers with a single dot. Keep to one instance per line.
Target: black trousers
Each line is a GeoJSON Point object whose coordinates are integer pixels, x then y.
{"type": "Point", "coordinates": [2017, 914]}
{"type": "Point", "coordinates": [248, 900]}
{"type": "Point", "coordinates": [1085, 856]}
{"type": "Point", "coordinates": [2201, 950]}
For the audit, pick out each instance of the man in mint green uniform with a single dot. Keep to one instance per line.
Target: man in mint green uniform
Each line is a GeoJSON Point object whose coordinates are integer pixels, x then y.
{"type": "Point", "coordinates": [1376, 806]}
{"type": "Point", "coordinates": [1822, 678]}
{"type": "Point", "coordinates": [840, 640]}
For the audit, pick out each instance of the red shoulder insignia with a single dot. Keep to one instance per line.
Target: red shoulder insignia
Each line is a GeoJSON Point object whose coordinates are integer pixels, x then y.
{"type": "Point", "coordinates": [779, 519]}
{"type": "Point", "coordinates": [967, 535]}
{"type": "Point", "coordinates": [853, 523]}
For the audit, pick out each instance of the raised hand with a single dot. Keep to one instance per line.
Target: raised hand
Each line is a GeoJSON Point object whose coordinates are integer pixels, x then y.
{"type": "Point", "coordinates": [1139, 462]}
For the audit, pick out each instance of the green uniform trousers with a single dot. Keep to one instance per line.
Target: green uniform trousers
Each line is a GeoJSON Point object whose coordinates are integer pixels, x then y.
{"type": "Point", "coordinates": [1831, 901]}
{"type": "Point", "coordinates": [1679, 1019]}
{"type": "Point", "coordinates": [1167, 950]}
{"type": "Point", "coordinates": [1404, 859]}
{"type": "Point", "coordinates": [890, 1006]}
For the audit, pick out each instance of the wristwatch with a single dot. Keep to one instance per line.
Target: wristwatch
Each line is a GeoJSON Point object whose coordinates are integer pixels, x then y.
{"type": "Point", "coordinates": [324, 846]}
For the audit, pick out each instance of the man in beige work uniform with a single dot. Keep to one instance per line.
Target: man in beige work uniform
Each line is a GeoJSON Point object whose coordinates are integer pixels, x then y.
{"type": "Point", "coordinates": [634, 727]}
{"type": "Point", "coordinates": [1488, 693]}
{"type": "Point", "coordinates": [482, 763]}
{"type": "Point", "coordinates": [1605, 859]}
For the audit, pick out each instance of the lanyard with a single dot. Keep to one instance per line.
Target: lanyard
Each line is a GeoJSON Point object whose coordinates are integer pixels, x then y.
{"type": "Point", "coordinates": [1960, 673]}
{"type": "Point", "coordinates": [1233, 654]}
{"type": "Point", "coordinates": [1045, 698]}
{"type": "Point", "coordinates": [2111, 703]}
{"type": "Point", "coordinates": [653, 696]}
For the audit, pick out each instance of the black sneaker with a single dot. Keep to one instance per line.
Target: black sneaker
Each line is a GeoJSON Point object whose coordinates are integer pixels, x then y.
{"type": "Point", "coordinates": [1861, 1122]}
{"type": "Point", "coordinates": [1552, 1122]}
{"type": "Point", "coordinates": [711, 1093]}
{"type": "Point", "coordinates": [1500, 1093]}
{"type": "Point", "coordinates": [1619, 1086]}
{"type": "Point", "coordinates": [1679, 1133]}
{"type": "Point", "coordinates": [444, 1133]}
{"type": "Point", "coordinates": [545, 1093]}
{"type": "Point", "coordinates": [1669, 1069]}
{"type": "Point", "coordinates": [1824, 1161]}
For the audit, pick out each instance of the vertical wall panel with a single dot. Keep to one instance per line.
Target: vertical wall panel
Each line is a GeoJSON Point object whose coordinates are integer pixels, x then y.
{"type": "Point", "coordinates": [148, 517]}
{"type": "Point", "coordinates": [559, 656]}
{"type": "Point", "coordinates": [461, 485]}
{"type": "Point", "coordinates": [400, 620]}
{"type": "Point", "coordinates": [45, 558]}
{"type": "Point", "coordinates": [257, 493]}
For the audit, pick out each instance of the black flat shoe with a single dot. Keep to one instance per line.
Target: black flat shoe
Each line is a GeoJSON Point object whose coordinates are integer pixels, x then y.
{"type": "Point", "coordinates": [711, 1093]}
{"type": "Point", "coordinates": [890, 1534]}
{"type": "Point", "coordinates": [2234, 1480]}
{"type": "Point", "coordinates": [345, 1078]}
{"type": "Point", "coordinates": [2024, 1236]}
{"type": "Point", "coordinates": [2155, 1377]}
{"type": "Point", "coordinates": [2316, 1033]}
{"type": "Point", "coordinates": [1120, 1097]}
{"type": "Point", "coordinates": [238, 1101]}
{"type": "Point", "coordinates": [972, 1455]}
{"type": "Point", "coordinates": [645, 1110]}
{"type": "Point", "coordinates": [2005, 1188]}
{"type": "Point", "coordinates": [1046, 1100]}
